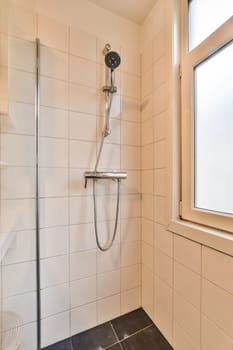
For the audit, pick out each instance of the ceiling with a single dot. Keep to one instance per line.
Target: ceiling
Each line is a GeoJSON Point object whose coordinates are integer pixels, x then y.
{"type": "Point", "coordinates": [134, 10]}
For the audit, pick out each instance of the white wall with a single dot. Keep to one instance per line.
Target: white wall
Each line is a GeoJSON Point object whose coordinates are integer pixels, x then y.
{"type": "Point", "coordinates": [186, 287]}
{"type": "Point", "coordinates": [81, 287]}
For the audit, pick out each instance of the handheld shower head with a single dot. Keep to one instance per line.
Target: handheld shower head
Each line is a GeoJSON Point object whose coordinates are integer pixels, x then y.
{"type": "Point", "coordinates": [112, 60]}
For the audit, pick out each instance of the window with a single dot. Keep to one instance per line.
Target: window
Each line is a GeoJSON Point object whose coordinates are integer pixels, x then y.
{"type": "Point", "coordinates": [207, 113]}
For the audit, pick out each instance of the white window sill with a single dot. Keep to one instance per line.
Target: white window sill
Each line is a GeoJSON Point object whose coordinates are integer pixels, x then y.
{"type": "Point", "coordinates": [207, 236]}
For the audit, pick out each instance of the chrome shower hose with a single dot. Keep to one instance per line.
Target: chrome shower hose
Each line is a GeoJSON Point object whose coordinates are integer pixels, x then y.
{"type": "Point", "coordinates": [107, 247]}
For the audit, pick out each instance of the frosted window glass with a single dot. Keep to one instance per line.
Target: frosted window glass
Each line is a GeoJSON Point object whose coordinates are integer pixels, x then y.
{"type": "Point", "coordinates": [214, 132]}
{"type": "Point", "coordinates": [205, 16]}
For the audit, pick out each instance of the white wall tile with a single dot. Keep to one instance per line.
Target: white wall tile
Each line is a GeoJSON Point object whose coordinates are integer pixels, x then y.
{"type": "Point", "coordinates": [82, 99]}
{"type": "Point", "coordinates": [54, 93]}
{"type": "Point", "coordinates": [53, 212]}
{"type": "Point", "coordinates": [82, 44]}
{"type": "Point", "coordinates": [147, 83]}
{"type": "Point", "coordinates": [160, 154]}
{"type": "Point", "coordinates": [147, 131]}
{"type": "Point", "coordinates": [147, 255]}
{"type": "Point", "coordinates": [53, 182]}
{"type": "Point", "coordinates": [23, 188]}
{"type": "Point", "coordinates": [28, 337]}
{"type": "Point", "coordinates": [159, 45]}
{"type": "Point", "coordinates": [130, 158]}
{"type": "Point", "coordinates": [82, 71]}
{"type": "Point", "coordinates": [148, 206]}
{"type": "Point", "coordinates": [147, 291]}
{"type": "Point", "coordinates": [54, 271]}
{"type": "Point", "coordinates": [55, 328]}
{"type": "Point", "coordinates": [130, 230]}
{"type": "Point", "coordinates": [110, 157]}
{"type": "Point", "coordinates": [83, 291]}
{"type": "Point", "coordinates": [54, 241]}
{"type": "Point", "coordinates": [23, 306]}
{"type": "Point", "coordinates": [53, 122]}
{"type": "Point", "coordinates": [131, 61]}
{"type": "Point", "coordinates": [53, 33]}
{"type": "Point", "coordinates": [108, 283]}
{"type": "Point", "coordinates": [160, 100]}
{"type": "Point", "coordinates": [82, 154]}
{"type": "Point", "coordinates": [22, 248]}
{"type": "Point", "coordinates": [188, 318]}
{"type": "Point", "coordinates": [148, 231]}
{"type": "Point", "coordinates": [130, 300]}
{"type": "Point", "coordinates": [160, 210]}
{"type": "Point", "coordinates": [18, 214]}
{"type": "Point", "coordinates": [187, 253]}
{"type": "Point", "coordinates": [217, 305]}
{"type": "Point", "coordinates": [131, 86]}
{"type": "Point", "coordinates": [163, 240]}
{"type": "Point", "coordinates": [21, 86]}
{"type": "Point", "coordinates": [217, 267]}
{"type": "Point", "coordinates": [17, 150]}
{"type": "Point", "coordinates": [130, 277]}
{"type": "Point", "coordinates": [54, 300]}
{"type": "Point", "coordinates": [182, 340]}
{"type": "Point", "coordinates": [53, 63]}
{"type": "Point", "coordinates": [148, 157]}
{"type": "Point", "coordinates": [130, 206]}
{"type": "Point", "coordinates": [53, 152]}
{"type": "Point", "coordinates": [105, 232]}
{"type": "Point", "coordinates": [22, 117]}
{"type": "Point", "coordinates": [160, 182]}
{"type": "Point", "coordinates": [108, 261]}
{"type": "Point", "coordinates": [81, 210]}
{"type": "Point", "coordinates": [77, 183]}
{"type": "Point", "coordinates": [188, 284]}
{"type": "Point", "coordinates": [108, 308]}
{"type": "Point", "coordinates": [146, 108]}
{"type": "Point", "coordinates": [21, 54]}
{"type": "Point", "coordinates": [130, 109]}
{"type": "Point", "coordinates": [115, 129]}
{"type": "Point", "coordinates": [82, 127]}
{"type": "Point", "coordinates": [22, 22]}
{"type": "Point", "coordinates": [146, 58]}
{"type": "Point", "coordinates": [132, 183]}
{"type": "Point", "coordinates": [83, 318]}
{"type": "Point", "coordinates": [159, 72]}
{"type": "Point", "coordinates": [164, 267]}
{"type": "Point", "coordinates": [159, 122]}
{"type": "Point", "coordinates": [163, 308]}
{"type": "Point", "coordinates": [131, 254]}
{"type": "Point", "coordinates": [18, 279]}
{"type": "Point", "coordinates": [130, 134]}
{"type": "Point", "coordinates": [82, 264]}
{"type": "Point", "coordinates": [213, 338]}
{"type": "Point", "coordinates": [82, 237]}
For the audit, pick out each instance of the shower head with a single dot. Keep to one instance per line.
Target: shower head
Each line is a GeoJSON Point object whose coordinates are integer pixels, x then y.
{"type": "Point", "coordinates": [112, 60]}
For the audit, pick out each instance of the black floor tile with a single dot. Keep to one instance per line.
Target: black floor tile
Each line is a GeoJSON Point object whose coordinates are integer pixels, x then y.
{"type": "Point", "coordinates": [115, 347]}
{"type": "Point", "coordinates": [148, 339]}
{"type": "Point", "coordinates": [63, 345]}
{"type": "Point", "coordinates": [130, 323]}
{"type": "Point", "coordinates": [100, 337]}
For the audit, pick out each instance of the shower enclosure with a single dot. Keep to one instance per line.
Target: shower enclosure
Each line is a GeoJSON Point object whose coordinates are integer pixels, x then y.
{"type": "Point", "coordinates": [60, 97]}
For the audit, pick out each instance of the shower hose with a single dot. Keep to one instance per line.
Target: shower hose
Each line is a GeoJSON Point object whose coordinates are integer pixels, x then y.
{"type": "Point", "coordinates": [109, 99]}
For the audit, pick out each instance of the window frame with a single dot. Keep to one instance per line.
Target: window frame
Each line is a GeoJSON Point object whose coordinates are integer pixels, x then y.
{"type": "Point", "coordinates": [189, 59]}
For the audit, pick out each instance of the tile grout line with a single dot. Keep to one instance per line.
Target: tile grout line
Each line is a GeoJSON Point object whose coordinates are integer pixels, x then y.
{"type": "Point", "coordinates": [114, 332]}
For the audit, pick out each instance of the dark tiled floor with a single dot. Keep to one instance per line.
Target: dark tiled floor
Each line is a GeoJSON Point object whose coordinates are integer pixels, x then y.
{"type": "Point", "coordinates": [133, 331]}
